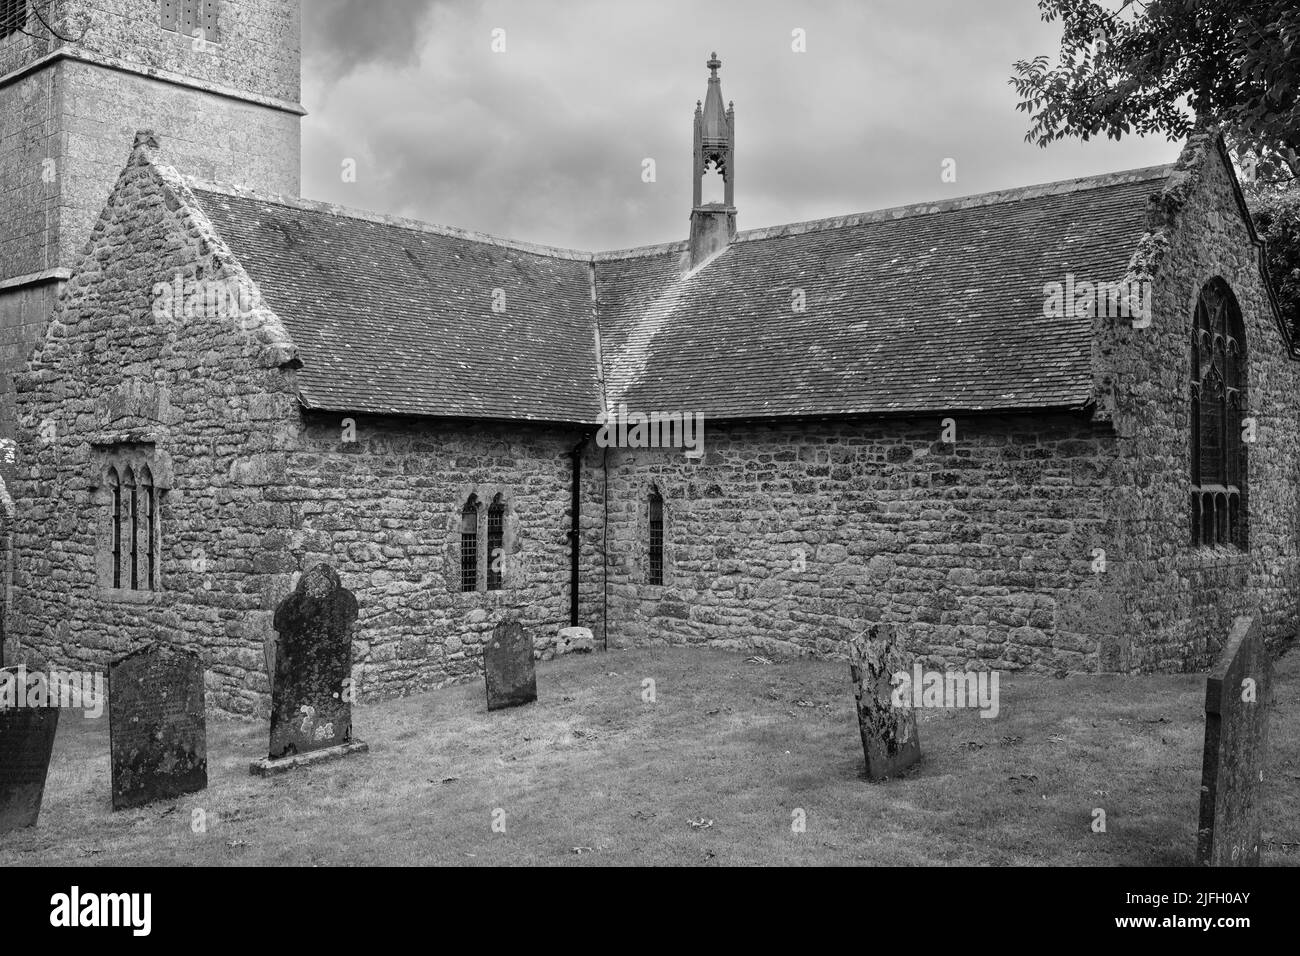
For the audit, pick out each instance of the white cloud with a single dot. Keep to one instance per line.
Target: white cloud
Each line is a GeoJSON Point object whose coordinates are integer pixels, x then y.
{"type": "Point", "coordinates": [545, 142]}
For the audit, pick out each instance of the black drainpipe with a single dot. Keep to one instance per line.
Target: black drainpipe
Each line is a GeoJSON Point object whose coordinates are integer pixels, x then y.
{"type": "Point", "coordinates": [575, 527]}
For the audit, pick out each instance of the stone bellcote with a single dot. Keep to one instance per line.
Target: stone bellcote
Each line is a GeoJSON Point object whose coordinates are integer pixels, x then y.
{"type": "Point", "coordinates": [713, 225]}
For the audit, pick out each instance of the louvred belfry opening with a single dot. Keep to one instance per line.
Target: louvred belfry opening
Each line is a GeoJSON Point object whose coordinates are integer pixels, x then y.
{"type": "Point", "coordinates": [713, 224]}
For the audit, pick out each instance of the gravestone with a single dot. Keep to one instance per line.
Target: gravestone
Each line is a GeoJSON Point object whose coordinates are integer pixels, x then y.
{"type": "Point", "coordinates": [311, 694]}
{"type": "Point", "coordinates": [508, 668]}
{"type": "Point", "coordinates": [1238, 694]}
{"type": "Point", "coordinates": [890, 740]}
{"type": "Point", "coordinates": [157, 729]}
{"type": "Point", "coordinates": [26, 743]}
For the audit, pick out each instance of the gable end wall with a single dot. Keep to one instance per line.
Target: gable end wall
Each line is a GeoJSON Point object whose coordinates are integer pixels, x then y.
{"type": "Point", "coordinates": [1181, 599]}
{"type": "Point", "coordinates": [203, 396]}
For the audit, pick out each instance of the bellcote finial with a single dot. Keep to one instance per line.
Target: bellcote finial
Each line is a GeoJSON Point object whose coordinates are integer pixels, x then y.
{"type": "Point", "coordinates": [714, 126]}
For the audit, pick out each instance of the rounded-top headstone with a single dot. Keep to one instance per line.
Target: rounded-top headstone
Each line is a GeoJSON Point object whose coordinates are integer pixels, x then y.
{"type": "Point", "coordinates": [508, 668]}
{"type": "Point", "coordinates": [311, 699]}
{"type": "Point", "coordinates": [157, 725]}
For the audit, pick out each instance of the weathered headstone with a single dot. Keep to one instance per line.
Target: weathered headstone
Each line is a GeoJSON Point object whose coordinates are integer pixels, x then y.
{"type": "Point", "coordinates": [311, 696]}
{"type": "Point", "coordinates": [26, 743]}
{"type": "Point", "coordinates": [157, 729]}
{"type": "Point", "coordinates": [1238, 694]}
{"type": "Point", "coordinates": [508, 667]}
{"type": "Point", "coordinates": [890, 740]}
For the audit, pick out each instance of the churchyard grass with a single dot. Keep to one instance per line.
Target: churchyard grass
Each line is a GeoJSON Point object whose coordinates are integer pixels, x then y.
{"type": "Point", "coordinates": [592, 773]}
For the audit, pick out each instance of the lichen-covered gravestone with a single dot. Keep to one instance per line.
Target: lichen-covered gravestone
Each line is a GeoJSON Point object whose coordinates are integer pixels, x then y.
{"type": "Point", "coordinates": [311, 695]}
{"type": "Point", "coordinates": [890, 740]}
{"type": "Point", "coordinates": [508, 667]}
{"type": "Point", "coordinates": [26, 742]}
{"type": "Point", "coordinates": [156, 725]}
{"type": "Point", "coordinates": [1238, 695]}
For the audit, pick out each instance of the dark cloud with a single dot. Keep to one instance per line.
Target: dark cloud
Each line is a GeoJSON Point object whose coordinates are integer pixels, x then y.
{"type": "Point", "coordinates": [340, 35]}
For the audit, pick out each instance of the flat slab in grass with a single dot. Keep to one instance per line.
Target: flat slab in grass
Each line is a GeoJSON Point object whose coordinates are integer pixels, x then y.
{"type": "Point", "coordinates": [592, 774]}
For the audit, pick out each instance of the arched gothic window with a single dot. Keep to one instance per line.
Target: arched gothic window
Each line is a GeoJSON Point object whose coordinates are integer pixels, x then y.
{"type": "Point", "coordinates": [127, 535]}
{"type": "Point", "coordinates": [469, 545]}
{"type": "Point", "coordinates": [115, 523]}
{"type": "Point", "coordinates": [148, 561]}
{"type": "Point", "coordinates": [1218, 513]}
{"type": "Point", "coordinates": [132, 504]}
{"type": "Point", "coordinates": [656, 569]}
{"type": "Point", "coordinates": [496, 537]}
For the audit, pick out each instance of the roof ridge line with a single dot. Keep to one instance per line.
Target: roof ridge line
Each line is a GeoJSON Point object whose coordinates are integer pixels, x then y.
{"type": "Point", "coordinates": [399, 222]}
{"type": "Point", "coordinates": [887, 214]}
{"type": "Point", "coordinates": [973, 201]}
{"type": "Point", "coordinates": [636, 252]}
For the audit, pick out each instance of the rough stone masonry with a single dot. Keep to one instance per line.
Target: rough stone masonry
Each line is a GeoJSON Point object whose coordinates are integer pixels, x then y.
{"type": "Point", "coordinates": [1013, 487]}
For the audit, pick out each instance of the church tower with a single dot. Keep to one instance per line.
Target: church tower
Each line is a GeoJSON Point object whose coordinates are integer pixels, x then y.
{"type": "Point", "coordinates": [217, 80]}
{"type": "Point", "coordinates": [713, 225]}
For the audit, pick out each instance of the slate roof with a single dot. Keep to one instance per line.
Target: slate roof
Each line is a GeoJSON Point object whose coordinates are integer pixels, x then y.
{"type": "Point", "coordinates": [919, 309]}
{"type": "Point", "coordinates": [923, 308]}
{"type": "Point", "coordinates": [398, 319]}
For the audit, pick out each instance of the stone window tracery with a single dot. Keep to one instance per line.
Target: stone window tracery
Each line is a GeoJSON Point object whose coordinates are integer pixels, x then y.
{"type": "Point", "coordinates": [485, 537]}
{"type": "Point", "coordinates": [130, 503]}
{"type": "Point", "coordinates": [1218, 387]}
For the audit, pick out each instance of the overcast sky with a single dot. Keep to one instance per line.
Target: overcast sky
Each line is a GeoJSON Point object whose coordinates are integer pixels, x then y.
{"type": "Point", "coordinates": [545, 141]}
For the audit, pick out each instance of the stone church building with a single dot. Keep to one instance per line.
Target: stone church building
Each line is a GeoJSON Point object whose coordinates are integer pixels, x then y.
{"type": "Point", "coordinates": [1051, 428]}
